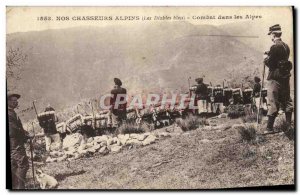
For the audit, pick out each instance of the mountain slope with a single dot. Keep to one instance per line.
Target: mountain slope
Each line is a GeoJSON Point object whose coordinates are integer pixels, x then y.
{"type": "Point", "coordinates": [67, 65]}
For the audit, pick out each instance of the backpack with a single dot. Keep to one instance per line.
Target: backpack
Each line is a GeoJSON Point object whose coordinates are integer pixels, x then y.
{"type": "Point", "coordinates": [47, 119]}
{"type": "Point", "coordinates": [285, 66]}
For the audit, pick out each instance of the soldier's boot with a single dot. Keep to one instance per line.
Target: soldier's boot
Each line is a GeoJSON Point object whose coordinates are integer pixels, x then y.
{"type": "Point", "coordinates": [270, 125]}
{"type": "Point", "coordinates": [288, 118]}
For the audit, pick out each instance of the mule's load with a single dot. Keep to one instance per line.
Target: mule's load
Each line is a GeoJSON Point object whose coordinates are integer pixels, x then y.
{"type": "Point", "coordinates": [47, 119]}
{"type": "Point", "coordinates": [74, 123]}
{"type": "Point", "coordinates": [227, 94]}
{"type": "Point", "coordinates": [237, 96]}
{"type": "Point", "coordinates": [217, 93]}
{"type": "Point", "coordinates": [247, 96]}
{"type": "Point", "coordinates": [61, 127]}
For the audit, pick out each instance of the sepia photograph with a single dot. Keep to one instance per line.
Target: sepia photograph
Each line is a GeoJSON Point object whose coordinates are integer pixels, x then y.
{"type": "Point", "coordinates": [150, 98]}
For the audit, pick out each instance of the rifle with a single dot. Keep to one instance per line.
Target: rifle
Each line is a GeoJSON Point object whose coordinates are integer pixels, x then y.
{"type": "Point", "coordinates": [262, 86]}
{"type": "Point", "coordinates": [31, 156]}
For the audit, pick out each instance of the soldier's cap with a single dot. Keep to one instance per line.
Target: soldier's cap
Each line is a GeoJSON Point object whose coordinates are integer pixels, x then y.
{"type": "Point", "coordinates": [256, 79]}
{"type": "Point", "coordinates": [275, 28]}
{"type": "Point", "coordinates": [9, 95]}
{"type": "Point", "coordinates": [117, 81]}
{"type": "Point", "coordinates": [199, 80]}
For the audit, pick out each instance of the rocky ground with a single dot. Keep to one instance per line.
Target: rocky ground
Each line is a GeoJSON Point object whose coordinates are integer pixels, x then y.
{"type": "Point", "coordinates": [205, 158]}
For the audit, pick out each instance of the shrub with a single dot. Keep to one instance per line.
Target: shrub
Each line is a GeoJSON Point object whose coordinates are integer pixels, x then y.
{"type": "Point", "coordinates": [191, 122]}
{"type": "Point", "coordinates": [235, 111]}
{"type": "Point", "coordinates": [250, 118]}
{"type": "Point", "coordinates": [131, 127]}
{"type": "Point", "coordinates": [247, 132]}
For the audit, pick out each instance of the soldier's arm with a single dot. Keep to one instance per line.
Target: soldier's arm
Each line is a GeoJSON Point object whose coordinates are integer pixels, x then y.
{"type": "Point", "coordinates": [270, 60]}
{"type": "Point", "coordinates": [12, 126]}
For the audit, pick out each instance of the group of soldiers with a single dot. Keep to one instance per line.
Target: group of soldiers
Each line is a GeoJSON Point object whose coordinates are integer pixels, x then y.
{"type": "Point", "coordinates": [278, 98]}
{"type": "Point", "coordinates": [214, 99]}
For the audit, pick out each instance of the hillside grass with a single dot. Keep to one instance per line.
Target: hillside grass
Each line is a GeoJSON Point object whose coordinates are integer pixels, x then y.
{"type": "Point", "coordinates": [199, 159]}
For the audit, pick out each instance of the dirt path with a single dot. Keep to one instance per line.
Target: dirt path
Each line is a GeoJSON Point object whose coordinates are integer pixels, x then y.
{"type": "Point", "coordinates": [203, 158]}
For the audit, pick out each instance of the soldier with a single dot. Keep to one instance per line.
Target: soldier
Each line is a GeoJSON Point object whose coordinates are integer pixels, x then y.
{"type": "Point", "coordinates": [48, 123]}
{"type": "Point", "coordinates": [118, 109]}
{"type": "Point", "coordinates": [201, 96]}
{"type": "Point", "coordinates": [256, 93]}
{"type": "Point", "coordinates": [17, 138]}
{"type": "Point", "coordinates": [278, 77]}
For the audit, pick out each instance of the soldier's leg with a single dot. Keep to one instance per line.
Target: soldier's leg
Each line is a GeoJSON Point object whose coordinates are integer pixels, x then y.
{"type": "Point", "coordinates": [14, 167]}
{"type": "Point", "coordinates": [22, 167]}
{"type": "Point", "coordinates": [114, 120]}
{"type": "Point", "coordinates": [286, 100]}
{"type": "Point", "coordinates": [57, 141]}
{"type": "Point", "coordinates": [48, 142]}
{"type": "Point", "coordinates": [289, 110]}
{"type": "Point", "coordinates": [273, 104]}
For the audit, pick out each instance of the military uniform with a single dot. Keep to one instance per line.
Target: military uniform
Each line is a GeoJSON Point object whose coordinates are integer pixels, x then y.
{"type": "Point", "coordinates": [19, 160]}
{"type": "Point", "coordinates": [278, 85]}
{"type": "Point", "coordinates": [118, 113]}
{"type": "Point", "coordinates": [51, 133]}
{"type": "Point", "coordinates": [201, 96]}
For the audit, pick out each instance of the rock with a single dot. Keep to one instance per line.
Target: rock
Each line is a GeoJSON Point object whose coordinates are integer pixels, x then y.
{"type": "Point", "coordinates": [164, 134]}
{"type": "Point", "coordinates": [96, 147]}
{"type": "Point", "coordinates": [103, 150]}
{"type": "Point", "coordinates": [82, 147]}
{"type": "Point", "coordinates": [82, 152]}
{"type": "Point", "coordinates": [124, 139]}
{"type": "Point", "coordinates": [90, 140]}
{"type": "Point", "coordinates": [134, 135]}
{"type": "Point", "coordinates": [71, 159]}
{"type": "Point", "coordinates": [55, 146]}
{"type": "Point", "coordinates": [70, 153]}
{"type": "Point", "coordinates": [72, 149]}
{"type": "Point", "coordinates": [103, 144]}
{"type": "Point", "coordinates": [236, 126]}
{"type": "Point", "coordinates": [134, 142]}
{"type": "Point", "coordinates": [120, 136]}
{"type": "Point", "coordinates": [91, 150]}
{"type": "Point", "coordinates": [50, 160]}
{"type": "Point", "coordinates": [115, 148]}
{"type": "Point", "coordinates": [207, 128]}
{"type": "Point", "coordinates": [91, 144]}
{"type": "Point", "coordinates": [102, 138]}
{"type": "Point", "coordinates": [109, 141]}
{"type": "Point", "coordinates": [116, 141]}
{"type": "Point", "coordinates": [77, 155]}
{"type": "Point", "coordinates": [64, 157]}
{"type": "Point", "coordinates": [56, 154]}
{"type": "Point", "coordinates": [141, 137]}
{"type": "Point", "coordinates": [149, 140]}
{"type": "Point", "coordinates": [204, 141]}
{"type": "Point", "coordinates": [72, 140]}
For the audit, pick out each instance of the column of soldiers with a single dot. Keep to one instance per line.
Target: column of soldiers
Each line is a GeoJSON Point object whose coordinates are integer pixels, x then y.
{"type": "Point", "coordinates": [278, 98]}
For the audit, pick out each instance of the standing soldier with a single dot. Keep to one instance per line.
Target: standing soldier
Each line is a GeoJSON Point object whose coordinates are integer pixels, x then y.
{"type": "Point", "coordinates": [17, 138]}
{"type": "Point", "coordinates": [118, 103]}
{"type": "Point", "coordinates": [201, 96]}
{"type": "Point", "coordinates": [47, 121]}
{"type": "Point", "coordinates": [278, 77]}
